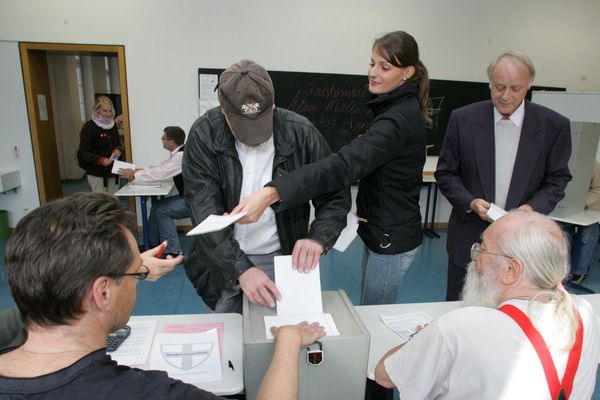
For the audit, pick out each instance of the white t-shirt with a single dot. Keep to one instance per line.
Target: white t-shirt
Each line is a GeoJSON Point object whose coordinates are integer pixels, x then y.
{"type": "Point", "coordinates": [481, 353]}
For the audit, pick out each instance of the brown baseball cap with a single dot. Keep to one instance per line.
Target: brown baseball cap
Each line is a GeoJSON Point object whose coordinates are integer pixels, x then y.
{"type": "Point", "coordinates": [246, 95]}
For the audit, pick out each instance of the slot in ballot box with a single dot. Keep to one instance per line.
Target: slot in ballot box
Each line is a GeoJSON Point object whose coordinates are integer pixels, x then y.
{"type": "Point", "coordinates": [343, 372]}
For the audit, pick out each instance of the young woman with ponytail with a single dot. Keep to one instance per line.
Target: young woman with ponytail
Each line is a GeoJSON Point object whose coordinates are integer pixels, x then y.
{"type": "Point", "coordinates": [388, 160]}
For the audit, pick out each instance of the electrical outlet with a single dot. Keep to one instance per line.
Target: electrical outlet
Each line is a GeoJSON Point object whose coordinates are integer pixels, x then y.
{"type": "Point", "coordinates": [16, 151]}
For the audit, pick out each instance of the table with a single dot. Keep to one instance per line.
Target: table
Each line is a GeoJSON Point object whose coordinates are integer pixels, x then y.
{"type": "Point", "coordinates": [383, 338]}
{"type": "Point", "coordinates": [143, 191]}
{"type": "Point", "coordinates": [429, 181]}
{"type": "Point", "coordinates": [584, 218]}
{"type": "Point", "coordinates": [233, 379]}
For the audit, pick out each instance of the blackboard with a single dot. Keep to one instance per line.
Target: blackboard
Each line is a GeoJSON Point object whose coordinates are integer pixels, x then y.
{"type": "Point", "coordinates": [336, 103]}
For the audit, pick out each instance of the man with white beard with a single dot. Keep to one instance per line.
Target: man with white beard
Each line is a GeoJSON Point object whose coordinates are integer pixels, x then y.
{"type": "Point", "coordinates": [515, 308]}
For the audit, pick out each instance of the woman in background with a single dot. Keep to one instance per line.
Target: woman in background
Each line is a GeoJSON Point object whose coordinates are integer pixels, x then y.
{"type": "Point", "coordinates": [388, 159]}
{"type": "Point", "coordinates": [99, 146]}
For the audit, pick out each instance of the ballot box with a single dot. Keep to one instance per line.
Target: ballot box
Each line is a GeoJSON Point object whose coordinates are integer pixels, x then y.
{"type": "Point", "coordinates": [343, 370]}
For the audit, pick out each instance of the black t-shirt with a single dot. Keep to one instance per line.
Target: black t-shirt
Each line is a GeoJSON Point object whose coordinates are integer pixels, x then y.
{"type": "Point", "coordinates": [97, 376]}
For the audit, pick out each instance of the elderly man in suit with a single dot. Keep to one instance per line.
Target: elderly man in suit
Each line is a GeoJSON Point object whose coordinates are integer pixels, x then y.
{"type": "Point", "coordinates": [506, 151]}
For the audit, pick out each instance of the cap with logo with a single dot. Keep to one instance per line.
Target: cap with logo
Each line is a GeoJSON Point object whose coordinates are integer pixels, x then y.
{"type": "Point", "coordinates": [246, 95]}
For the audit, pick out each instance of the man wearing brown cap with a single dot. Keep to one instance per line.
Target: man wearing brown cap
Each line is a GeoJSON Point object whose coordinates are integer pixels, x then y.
{"type": "Point", "coordinates": [232, 151]}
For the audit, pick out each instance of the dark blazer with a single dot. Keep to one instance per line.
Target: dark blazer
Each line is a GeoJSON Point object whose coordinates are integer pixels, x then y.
{"type": "Point", "coordinates": [466, 168]}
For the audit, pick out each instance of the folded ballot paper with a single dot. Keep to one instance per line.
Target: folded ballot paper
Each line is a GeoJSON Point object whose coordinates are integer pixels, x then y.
{"type": "Point", "coordinates": [300, 298]}
{"type": "Point", "coordinates": [348, 233]}
{"type": "Point", "coordinates": [495, 212]}
{"type": "Point", "coordinates": [215, 223]}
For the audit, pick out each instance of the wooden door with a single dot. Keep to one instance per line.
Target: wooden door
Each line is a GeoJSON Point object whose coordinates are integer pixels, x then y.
{"type": "Point", "coordinates": [41, 123]}
{"type": "Point", "coordinates": [43, 138]}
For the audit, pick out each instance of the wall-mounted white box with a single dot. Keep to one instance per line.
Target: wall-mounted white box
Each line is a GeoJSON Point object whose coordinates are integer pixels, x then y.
{"type": "Point", "coordinates": [10, 178]}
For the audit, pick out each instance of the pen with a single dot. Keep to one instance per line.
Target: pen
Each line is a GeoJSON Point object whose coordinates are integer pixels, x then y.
{"type": "Point", "coordinates": [230, 365]}
{"type": "Point", "coordinates": [160, 251]}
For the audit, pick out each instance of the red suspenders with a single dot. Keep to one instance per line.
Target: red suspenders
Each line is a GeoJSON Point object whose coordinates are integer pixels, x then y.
{"type": "Point", "coordinates": [558, 390]}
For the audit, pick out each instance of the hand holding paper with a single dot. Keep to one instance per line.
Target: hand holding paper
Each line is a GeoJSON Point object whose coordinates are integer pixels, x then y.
{"type": "Point", "coordinates": [117, 165]}
{"type": "Point", "coordinates": [215, 223]}
{"type": "Point", "coordinates": [495, 212]}
{"type": "Point", "coordinates": [300, 298]}
{"type": "Point", "coordinates": [306, 254]}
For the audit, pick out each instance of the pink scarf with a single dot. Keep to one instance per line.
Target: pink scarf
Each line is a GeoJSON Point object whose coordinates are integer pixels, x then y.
{"type": "Point", "coordinates": [105, 123]}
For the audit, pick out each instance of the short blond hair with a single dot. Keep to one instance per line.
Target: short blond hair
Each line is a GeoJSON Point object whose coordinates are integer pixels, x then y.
{"type": "Point", "coordinates": [103, 100]}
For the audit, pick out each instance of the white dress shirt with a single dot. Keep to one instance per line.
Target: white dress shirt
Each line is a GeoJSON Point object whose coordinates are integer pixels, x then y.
{"type": "Point", "coordinates": [167, 169]}
{"type": "Point", "coordinates": [257, 164]}
{"type": "Point", "coordinates": [507, 134]}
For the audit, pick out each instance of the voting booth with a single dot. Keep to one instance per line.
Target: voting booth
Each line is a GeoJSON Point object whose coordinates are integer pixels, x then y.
{"type": "Point", "coordinates": [343, 370]}
{"type": "Point", "coordinates": [583, 110]}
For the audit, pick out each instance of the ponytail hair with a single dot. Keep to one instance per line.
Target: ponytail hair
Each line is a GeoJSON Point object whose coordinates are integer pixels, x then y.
{"type": "Point", "coordinates": [543, 249]}
{"type": "Point", "coordinates": [401, 50]}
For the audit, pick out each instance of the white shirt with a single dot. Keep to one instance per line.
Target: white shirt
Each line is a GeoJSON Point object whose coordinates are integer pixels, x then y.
{"type": "Point", "coordinates": [257, 165]}
{"type": "Point", "coordinates": [507, 134]}
{"type": "Point", "coordinates": [481, 353]}
{"type": "Point", "coordinates": [167, 169]}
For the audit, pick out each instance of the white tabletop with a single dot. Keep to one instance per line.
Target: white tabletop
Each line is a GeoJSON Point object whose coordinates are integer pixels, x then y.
{"type": "Point", "coordinates": [139, 189]}
{"type": "Point", "coordinates": [429, 168]}
{"type": "Point", "coordinates": [583, 218]}
{"type": "Point", "coordinates": [383, 338]}
{"type": "Point", "coordinates": [233, 380]}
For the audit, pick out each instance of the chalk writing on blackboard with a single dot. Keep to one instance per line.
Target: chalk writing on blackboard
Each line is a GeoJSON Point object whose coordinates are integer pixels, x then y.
{"type": "Point", "coordinates": [337, 103]}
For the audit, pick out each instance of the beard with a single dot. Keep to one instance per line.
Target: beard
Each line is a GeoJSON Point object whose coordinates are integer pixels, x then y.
{"type": "Point", "coordinates": [480, 290]}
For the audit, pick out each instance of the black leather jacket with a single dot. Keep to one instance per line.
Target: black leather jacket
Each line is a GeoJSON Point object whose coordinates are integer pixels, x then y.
{"type": "Point", "coordinates": [212, 174]}
{"type": "Point", "coordinates": [388, 159]}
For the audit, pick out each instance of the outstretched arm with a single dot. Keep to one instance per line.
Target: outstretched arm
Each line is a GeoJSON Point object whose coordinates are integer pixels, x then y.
{"type": "Point", "coordinates": [256, 204]}
{"type": "Point", "coordinates": [159, 267]}
{"type": "Point", "coordinates": [281, 380]}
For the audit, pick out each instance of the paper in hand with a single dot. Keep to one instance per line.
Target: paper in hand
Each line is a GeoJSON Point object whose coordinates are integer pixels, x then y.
{"type": "Point", "coordinates": [495, 212]}
{"type": "Point", "coordinates": [215, 223]}
{"type": "Point", "coordinates": [348, 233]}
{"type": "Point", "coordinates": [301, 298]}
{"type": "Point", "coordinates": [117, 165]}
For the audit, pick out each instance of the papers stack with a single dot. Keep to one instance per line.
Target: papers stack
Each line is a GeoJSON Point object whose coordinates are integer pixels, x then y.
{"type": "Point", "coordinates": [143, 185]}
{"type": "Point", "coordinates": [405, 325]}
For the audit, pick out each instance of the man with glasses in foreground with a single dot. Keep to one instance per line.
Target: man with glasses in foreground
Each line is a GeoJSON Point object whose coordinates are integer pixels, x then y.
{"type": "Point", "coordinates": [73, 266]}
{"type": "Point", "coordinates": [515, 308]}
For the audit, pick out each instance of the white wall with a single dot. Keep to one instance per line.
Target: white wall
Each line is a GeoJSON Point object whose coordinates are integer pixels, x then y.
{"type": "Point", "coordinates": [166, 41]}
{"type": "Point", "coordinates": [15, 131]}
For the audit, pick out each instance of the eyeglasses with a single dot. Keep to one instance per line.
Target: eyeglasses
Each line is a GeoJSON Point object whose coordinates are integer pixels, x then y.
{"type": "Point", "coordinates": [140, 276]}
{"type": "Point", "coordinates": [476, 250]}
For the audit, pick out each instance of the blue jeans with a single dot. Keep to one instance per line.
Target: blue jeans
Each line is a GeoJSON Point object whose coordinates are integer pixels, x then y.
{"type": "Point", "coordinates": [382, 275]}
{"type": "Point", "coordinates": [161, 224]}
{"type": "Point", "coordinates": [582, 249]}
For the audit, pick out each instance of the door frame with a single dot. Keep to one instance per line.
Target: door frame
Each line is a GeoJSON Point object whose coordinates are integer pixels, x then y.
{"type": "Point", "coordinates": [72, 49]}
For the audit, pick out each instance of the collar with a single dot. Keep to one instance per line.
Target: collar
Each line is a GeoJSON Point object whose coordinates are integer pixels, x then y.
{"type": "Point", "coordinates": [176, 150]}
{"type": "Point", "coordinates": [516, 117]}
{"type": "Point", "coordinates": [379, 102]}
{"type": "Point", "coordinates": [247, 149]}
